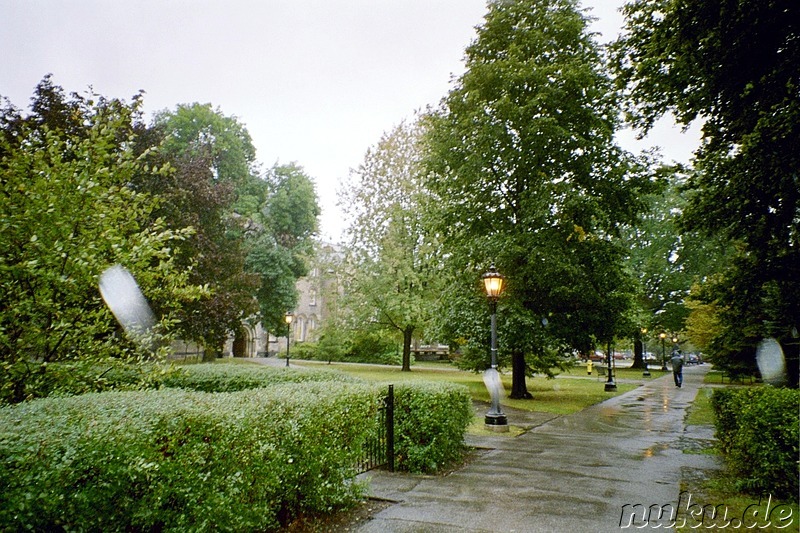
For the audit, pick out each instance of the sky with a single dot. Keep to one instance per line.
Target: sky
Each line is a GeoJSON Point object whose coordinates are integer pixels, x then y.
{"type": "Point", "coordinates": [315, 82]}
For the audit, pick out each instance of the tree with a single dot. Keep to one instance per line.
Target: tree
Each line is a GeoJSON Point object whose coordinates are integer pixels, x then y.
{"type": "Point", "coordinates": [277, 250]}
{"type": "Point", "coordinates": [214, 158]}
{"type": "Point", "coordinates": [69, 212]}
{"type": "Point", "coordinates": [525, 173]}
{"type": "Point", "coordinates": [392, 259]}
{"type": "Point", "coordinates": [667, 261]}
{"type": "Point", "coordinates": [734, 66]}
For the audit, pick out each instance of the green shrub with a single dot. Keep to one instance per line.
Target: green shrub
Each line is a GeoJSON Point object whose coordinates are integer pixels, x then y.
{"type": "Point", "coordinates": [430, 422]}
{"type": "Point", "coordinates": [353, 346]}
{"type": "Point", "coordinates": [303, 350]}
{"type": "Point", "coordinates": [372, 347]}
{"type": "Point", "coordinates": [179, 460]}
{"type": "Point", "coordinates": [224, 377]}
{"type": "Point", "coordinates": [757, 429]}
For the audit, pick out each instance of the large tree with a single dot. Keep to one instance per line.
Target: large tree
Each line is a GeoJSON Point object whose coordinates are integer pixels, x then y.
{"type": "Point", "coordinates": [526, 174]}
{"type": "Point", "coordinates": [392, 259]}
{"type": "Point", "coordinates": [734, 66]}
{"type": "Point", "coordinates": [214, 158]}
{"type": "Point", "coordinates": [69, 211]}
{"type": "Point", "coordinates": [280, 240]}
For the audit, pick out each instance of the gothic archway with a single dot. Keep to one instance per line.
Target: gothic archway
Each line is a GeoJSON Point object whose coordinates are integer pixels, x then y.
{"type": "Point", "coordinates": [242, 343]}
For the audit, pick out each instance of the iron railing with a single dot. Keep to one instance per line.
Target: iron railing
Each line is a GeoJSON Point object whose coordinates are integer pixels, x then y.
{"type": "Point", "coordinates": [379, 448]}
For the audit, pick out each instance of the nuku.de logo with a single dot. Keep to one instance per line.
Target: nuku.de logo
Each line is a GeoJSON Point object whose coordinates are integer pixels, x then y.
{"type": "Point", "coordinates": [707, 516]}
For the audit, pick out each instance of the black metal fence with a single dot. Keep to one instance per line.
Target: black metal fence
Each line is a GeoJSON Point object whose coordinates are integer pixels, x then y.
{"type": "Point", "coordinates": [379, 448]}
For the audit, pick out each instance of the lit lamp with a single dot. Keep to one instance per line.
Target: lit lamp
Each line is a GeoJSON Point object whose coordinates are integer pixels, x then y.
{"type": "Point", "coordinates": [288, 317]}
{"type": "Point", "coordinates": [646, 372]}
{"type": "Point", "coordinates": [494, 283]}
{"type": "Point", "coordinates": [663, 336]}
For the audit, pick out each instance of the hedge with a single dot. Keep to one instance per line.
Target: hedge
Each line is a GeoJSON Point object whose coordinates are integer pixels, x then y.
{"type": "Point", "coordinates": [175, 459]}
{"type": "Point", "coordinates": [430, 418]}
{"type": "Point", "coordinates": [228, 377]}
{"type": "Point", "coordinates": [757, 430]}
{"type": "Point", "coordinates": [178, 460]}
{"type": "Point", "coordinates": [430, 422]}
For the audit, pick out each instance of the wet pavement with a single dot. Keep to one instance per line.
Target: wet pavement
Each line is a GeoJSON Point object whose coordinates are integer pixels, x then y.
{"type": "Point", "coordinates": [571, 473]}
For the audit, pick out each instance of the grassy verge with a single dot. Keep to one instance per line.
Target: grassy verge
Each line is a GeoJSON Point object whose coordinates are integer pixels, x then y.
{"type": "Point", "coordinates": [700, 412]}
{"type": "Point", "coordinates": [558, 396]}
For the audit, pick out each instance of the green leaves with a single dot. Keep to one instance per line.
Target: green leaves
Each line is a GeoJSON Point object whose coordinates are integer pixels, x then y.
{"type": "Point", "coordinates": [523, 171]}
{"type": "Point", "coordinates": [393, 258]}
{"type": "Point", "coordinates": [757, 430]}
{"type": "Point", "coordinates": [70, 212]}
{"type": "Point", "coordinates": [734, 66]}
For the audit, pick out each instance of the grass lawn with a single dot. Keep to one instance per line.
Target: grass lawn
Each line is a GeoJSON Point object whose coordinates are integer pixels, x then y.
{"type": "Point", "coordinates": [558, 396]}
{"type": "Point", "coordinates": [700, 412]}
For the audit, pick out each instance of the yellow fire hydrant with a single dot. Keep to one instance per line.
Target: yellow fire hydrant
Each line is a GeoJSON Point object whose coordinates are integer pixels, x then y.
{"type": "Point", "coordinates": [589, 367]}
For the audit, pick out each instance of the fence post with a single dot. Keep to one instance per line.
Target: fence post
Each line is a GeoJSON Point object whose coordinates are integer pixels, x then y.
{"type": "Point", "coordinates": [390, 428]}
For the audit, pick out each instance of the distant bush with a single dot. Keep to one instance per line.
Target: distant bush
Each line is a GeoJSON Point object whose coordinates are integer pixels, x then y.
{"type": "Point", "coordinates": [757, 429]}
{"type": "Point", "coordinates": [227, 377]}
{"type": "Point", "coordinates": [430, 422]}
{"type": "Point", "coordinates": [354, 346]}
{"type": "Point", "coordinates": [303, 350]}
{"type": "Point", "coordinates": [179, 460]}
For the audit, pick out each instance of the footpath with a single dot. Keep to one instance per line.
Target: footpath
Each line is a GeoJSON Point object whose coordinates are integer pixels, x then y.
{"type": "Point", "coordinates": [584, 472]}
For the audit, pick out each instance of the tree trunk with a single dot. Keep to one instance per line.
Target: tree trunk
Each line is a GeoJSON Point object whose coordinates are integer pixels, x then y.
{"type": "Point", "coordinates": [638, 353]}
{"type": "Point", "coordinates": [519, 390]}
{"type": "Point", "coordinates": [407, 337]}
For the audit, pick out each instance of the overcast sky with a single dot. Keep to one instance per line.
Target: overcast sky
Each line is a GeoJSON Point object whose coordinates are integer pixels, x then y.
{"type": "Point", "coordinates": [314, 81]}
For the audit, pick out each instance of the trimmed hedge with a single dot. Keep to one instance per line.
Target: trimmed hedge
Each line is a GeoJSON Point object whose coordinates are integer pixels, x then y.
{"type": "Point", "coordinates": [228, 377]}
{"type": "Point", "coordinates": [430, 422]}
{"type": "Point", "coordinates": [180, 460]}
{"type": "Point", "coordinates": [430, 418]}
{"type": "Point", "coordinates": [175, 459]}
{"type": "Point", "coordinates": [757, 429]}
{"type": "Point", "coordinates": [70, 378]}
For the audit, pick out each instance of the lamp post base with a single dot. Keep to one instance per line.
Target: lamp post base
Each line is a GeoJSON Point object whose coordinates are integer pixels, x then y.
{"type": "Point", "coordinates": [611, 386]}
{"type": "Point", "coordinates": [496, 422]}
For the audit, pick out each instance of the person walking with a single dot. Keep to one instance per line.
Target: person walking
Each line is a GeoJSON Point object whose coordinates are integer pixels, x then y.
{"type": "Point", "coordinates": [677, 368]}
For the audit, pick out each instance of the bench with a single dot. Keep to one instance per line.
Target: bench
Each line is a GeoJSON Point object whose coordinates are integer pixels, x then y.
{"type": "Point", "coordinates": [431, 353]}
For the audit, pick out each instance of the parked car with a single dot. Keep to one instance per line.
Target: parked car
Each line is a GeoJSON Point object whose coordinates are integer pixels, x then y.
{"type": "Point", "coordinates": [694, 359]}
{"type": "Point", "coordinates": [651, 357]}
{"type": "Point", "coordinates": [598, 357]}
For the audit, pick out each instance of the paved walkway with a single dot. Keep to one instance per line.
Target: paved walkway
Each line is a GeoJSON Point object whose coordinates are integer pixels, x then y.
{"type": "Point", "coordinates": [571, 473]}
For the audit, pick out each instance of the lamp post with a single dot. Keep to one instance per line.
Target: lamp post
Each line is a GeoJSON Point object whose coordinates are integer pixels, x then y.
{"type": "Point", "coordinates": [288, 317]}
{"type": "Point", "coordinates": [663, 336]}
{"type": "Point", "coordinates": [494, 283]}
{"type": "Point", "coordinates": [646, 372]}
{"type": "Point", "coordinates": [610, 385]}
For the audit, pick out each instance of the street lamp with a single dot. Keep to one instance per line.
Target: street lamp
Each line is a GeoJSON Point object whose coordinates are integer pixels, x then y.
{"type": "Point", "coordinates": [610, 385]}
{"type": "Point", "coordinates": [494, 283]}
{"type": "Point", "coordinates": [288, 317]}
{"type": "Point", "coordinates": [663, 336]}
{"type": "Point", "coordinates": [646, 372]}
